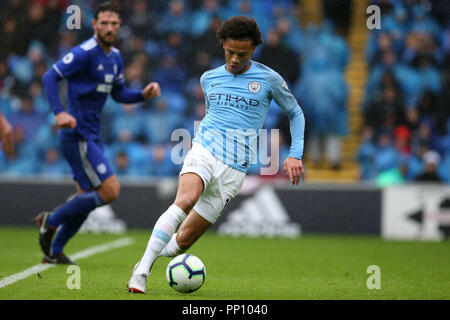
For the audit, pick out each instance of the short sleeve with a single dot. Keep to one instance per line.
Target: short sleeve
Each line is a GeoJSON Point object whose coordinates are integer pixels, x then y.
{"type": "Point", "coordinates": [72, 63]}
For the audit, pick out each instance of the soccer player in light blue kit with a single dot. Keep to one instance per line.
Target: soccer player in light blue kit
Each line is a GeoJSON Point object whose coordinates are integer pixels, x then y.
{"type": "Point", "coordinates": [93, 70]}
{"type": "Point", "coordinates": [238, 96]}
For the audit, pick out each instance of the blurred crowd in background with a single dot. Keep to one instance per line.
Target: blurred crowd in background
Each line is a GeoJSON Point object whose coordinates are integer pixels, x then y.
{"type": "Point", "coordinates": [406, 103]}
{"type": "Point", "coordinates": [406, 107]}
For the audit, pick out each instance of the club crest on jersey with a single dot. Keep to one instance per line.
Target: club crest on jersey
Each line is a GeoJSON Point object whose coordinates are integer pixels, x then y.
{"type": "Point", "coordinates": [254, 86]}
{"type": "Point", "coordinates": [68, 58]}
{"type": "Point", "coordinates": [101, 168]}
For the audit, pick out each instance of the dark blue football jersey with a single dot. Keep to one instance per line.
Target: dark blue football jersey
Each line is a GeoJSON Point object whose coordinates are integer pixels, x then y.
{"type": "Point", "coordinates": [91, 74]}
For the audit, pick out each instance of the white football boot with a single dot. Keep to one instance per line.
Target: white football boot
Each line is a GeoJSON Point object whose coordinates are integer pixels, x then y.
{"type": "Point", "coordinates": [137, 282]}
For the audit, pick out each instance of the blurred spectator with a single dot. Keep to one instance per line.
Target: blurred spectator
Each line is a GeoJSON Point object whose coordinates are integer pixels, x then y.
{"type": "Point", "coordinates": [323, 93]}
{"type": "Point", "coordinates": [386, 156]}
{"type": "Point", "coordinates": [203, 16]}
{"type": "Point", "coordinates": [386, 108]}
{"type": "Point", "coordinates": [175, 45]}
{"type": "Point", "coordinates": [128, 123]}
{"type": "Point", "coordinates": [273, 116]}
{"type": "Point", "coordinates": [402, 141]}
{"type": "Point", "coordinates": [199, 113]}
{"type": "Point", "coordinates": [53, 165]}
{"type": "Point", "coordinates": [207, 41]}
{"type": "Point", "coordinates": [276, 55]}
{"type": "Point", "coordinates": [67, 40]}
{"type": "Point", "coordinates": [8, 38]}
{"type": "Point", "coordinates": [40, 25]}
{"type": "Point", "coordinates": [122, 165]}
{"type": "Point", "coordinates": [366, 155]}
{"type": "Point", "coordinates": [423, 22]}
{"type": "Point", "coordinates": [170, 74]}
{"type": "Point", "coordinates": [37, 95]}
{"type": "Point", "coordinates": [338, 12]}
{"type": "Point", "coordinates": [161, 162]}
{"type": "Point", "coordinates": [429, 75]}
{"type": "Point", "coordinates": [406, 76]}
{"type": "Point", "coordinates": [140, 19]}
{"type": "Point", "coordinates": [431, 160]}
{"type": "Point", "coordinates": [378, 44]}
{"type": "Point", "coordinates": [160, 123]}
{"type": "Point", "coordinates": [290, 32]}
{"type": "Point", "coordinates": [393, 176]}
{"type": "Point", "coordinates": [202, 62]}
{"type": "Point", "coordinates": [175, 19]}
{"type": "Point", "coordinates": [27, 119]}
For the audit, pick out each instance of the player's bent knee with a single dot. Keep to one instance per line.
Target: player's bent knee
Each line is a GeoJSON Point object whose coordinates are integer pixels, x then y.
{"type": "Point", "coordinates": [186, 203]}
{"type": "Point", "coordinates": [115, 192]}
{"type": "Point", "coordinates": [109, 193]}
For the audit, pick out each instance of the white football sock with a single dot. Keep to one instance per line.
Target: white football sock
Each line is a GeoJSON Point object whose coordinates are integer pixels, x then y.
{"type": "Point", "coordinates": [164, 228]}
{"type": "Point", "coordinates": [172, 249]}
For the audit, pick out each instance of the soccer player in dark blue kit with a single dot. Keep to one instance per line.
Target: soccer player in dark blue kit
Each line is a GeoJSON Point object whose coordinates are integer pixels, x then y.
{"type": "Point", "coordinates": [93, 70]}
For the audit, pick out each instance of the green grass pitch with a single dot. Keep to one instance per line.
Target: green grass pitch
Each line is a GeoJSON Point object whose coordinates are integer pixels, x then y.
{"type": "Point", "coordinates": [325, 267]}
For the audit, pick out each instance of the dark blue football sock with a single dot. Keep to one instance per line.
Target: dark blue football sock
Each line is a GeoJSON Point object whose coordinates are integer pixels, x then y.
{"type": "Point", "coordinates": [82, 203]}
{"type": "Point", "coordinates": [67, 231]}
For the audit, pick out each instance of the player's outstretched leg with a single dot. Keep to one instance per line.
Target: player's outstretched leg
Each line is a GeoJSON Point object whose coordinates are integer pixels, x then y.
{"type": "Point", "coordinates": [66, 231]}
{"type": "Point", "coordinates": [190, 187]}
{"type": "Point", "coordinates": [46, 232]}
{"type": "Point", "coordinates": [164, 228]}
{"type": "Point", "coordinates": [48, 222]}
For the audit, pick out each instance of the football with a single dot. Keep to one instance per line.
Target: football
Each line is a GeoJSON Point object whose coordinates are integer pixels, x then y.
{"type": "Point", "coordinates": [186, 273]}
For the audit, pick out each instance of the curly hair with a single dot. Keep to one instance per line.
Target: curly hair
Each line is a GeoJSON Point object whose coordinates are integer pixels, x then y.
{"type": "Point", "coordinates": [240, 28]}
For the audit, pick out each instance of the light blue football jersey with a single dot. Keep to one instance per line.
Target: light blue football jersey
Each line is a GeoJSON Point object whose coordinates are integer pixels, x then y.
{"type": "Point", "coordinates": [236, 107]}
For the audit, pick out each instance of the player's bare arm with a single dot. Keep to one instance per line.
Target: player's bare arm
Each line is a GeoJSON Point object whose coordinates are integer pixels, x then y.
{"type": "Point", "coordinates": [293, 167]}
{"type": "Point", "coordinates": [152, 90]}
{"type": "Point", "coordinates": [6, 137]}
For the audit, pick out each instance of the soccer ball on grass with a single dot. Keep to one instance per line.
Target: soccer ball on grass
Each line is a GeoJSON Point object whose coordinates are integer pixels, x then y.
{"type": "Point", "coordinates": [186, 273]}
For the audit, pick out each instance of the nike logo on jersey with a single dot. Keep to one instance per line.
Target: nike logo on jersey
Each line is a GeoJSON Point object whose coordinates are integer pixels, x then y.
{"type": "Point", "coordinates": [215, 85]}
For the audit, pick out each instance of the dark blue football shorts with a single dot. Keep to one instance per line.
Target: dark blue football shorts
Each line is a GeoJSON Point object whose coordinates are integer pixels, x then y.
{"type": "Point", "coordinates": [87, 159]}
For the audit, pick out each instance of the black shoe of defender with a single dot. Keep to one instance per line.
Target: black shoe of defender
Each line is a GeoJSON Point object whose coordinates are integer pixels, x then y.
{"type": "Point", "coordinates": [46, 233]}
{"type": "Point", "coordinates": [57, 259]}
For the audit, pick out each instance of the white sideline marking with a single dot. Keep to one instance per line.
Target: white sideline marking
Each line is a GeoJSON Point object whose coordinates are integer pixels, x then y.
{"type": "Point", "coordinates": [76, 256]}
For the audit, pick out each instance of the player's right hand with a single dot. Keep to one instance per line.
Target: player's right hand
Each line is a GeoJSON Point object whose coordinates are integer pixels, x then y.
{"type": "Point", "coordinates": [152, 90]}
{"type": "Point", "coordinates": [65, 120]}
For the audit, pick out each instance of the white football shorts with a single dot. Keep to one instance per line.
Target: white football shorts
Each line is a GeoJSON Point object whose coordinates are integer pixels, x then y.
{"type": "Point", "coordinates": [221, 182]}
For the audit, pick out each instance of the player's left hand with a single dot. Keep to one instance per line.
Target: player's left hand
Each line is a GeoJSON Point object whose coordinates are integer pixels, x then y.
{"type": "Point", "coordinates": [152, 90]}
{"type": "Point", "coordinates": [293, 167]}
